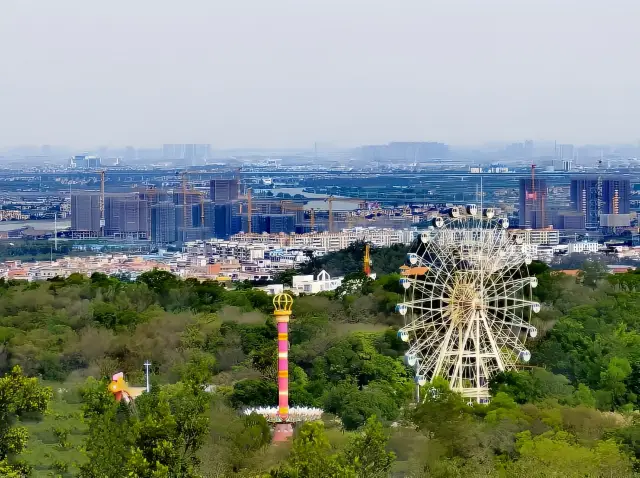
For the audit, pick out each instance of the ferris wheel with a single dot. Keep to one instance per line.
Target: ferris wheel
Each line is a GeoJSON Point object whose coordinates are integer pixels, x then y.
{"type": "Point", "coordinates": [467, 304]}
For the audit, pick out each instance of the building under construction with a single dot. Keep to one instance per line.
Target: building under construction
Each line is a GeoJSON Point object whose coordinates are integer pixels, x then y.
{"type": "Point", "coordinates": [533, 198]}
{"type": "Point", "coordinates": [125, 215]}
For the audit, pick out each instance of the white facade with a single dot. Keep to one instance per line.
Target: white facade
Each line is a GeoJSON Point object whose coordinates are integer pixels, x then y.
{"type": "Point", "coordinates": [331, 241]}
{"type": "Point", "coordinates": [550, 237]}
{"type": "Point", "coordinates": [308, 285]}
{"type": "Point", "coordinates": [586, 247]}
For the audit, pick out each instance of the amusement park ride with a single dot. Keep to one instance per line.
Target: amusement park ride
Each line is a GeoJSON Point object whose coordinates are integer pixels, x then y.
{"type": "Point", "coordinates": [467, 303]}
{"type": "Point", "coordinates": [121, 389]}
{"type": "Point", "coordinates": [467, 309]}
{"type": "Point", "coordinates": [282, 418]}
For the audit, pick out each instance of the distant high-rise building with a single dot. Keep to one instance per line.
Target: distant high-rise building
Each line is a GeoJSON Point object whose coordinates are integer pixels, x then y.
{"type": "Point", "coordinates": [281, 223]}
{"type": "Point", "coordinates": [85, 212]}
{"type": "Point", "coordinates": [223, 190]}
{"type": "Point", "coordinates": [405, 151]}
{"type": "Point", "coordinates": [126, 215]}
{"type": "Point", "coordinates": [533, 203]}
{"type": "Point", "coordinates": [188, 154]}
{"type": "Point", "coordinates": [83, 161]}
{"type": "Point", "coordinates": [565, 151]}
{"type": "Point", "coordinates": [585, 199]}
{"type": "Point", "coordinates": [163, 222]}
{"type": "Point", "coordinates": [192, 199]}
{"type": "Point", "coordinates": [129, 153]}
{"type": "Point", "coordinates": [614, 198]}
{"type": "Point", "coordinates": [259, 223]}
{"type": "Point", "coordinates": [528, 148]}
{"type": "Point", "coordinates": [226, 220]}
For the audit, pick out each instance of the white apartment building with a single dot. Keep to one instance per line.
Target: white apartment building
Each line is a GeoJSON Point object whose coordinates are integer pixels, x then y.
{"type": "Point", "coordinates": [585, 247]}
{"type": "Point", "coordinates": [332, 241]}
{"type": "Point", "coordinates": [550, 237]}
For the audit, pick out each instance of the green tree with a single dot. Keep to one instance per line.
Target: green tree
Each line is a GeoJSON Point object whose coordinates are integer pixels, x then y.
{"type": "Point", "coordinates": [554, 454]}
{"type": "Point", "coordinates": [367, 453]}
{"type": "Point", "coordinates": [313, 457]}
{"type": "Point", "coordinates": [19, 396]}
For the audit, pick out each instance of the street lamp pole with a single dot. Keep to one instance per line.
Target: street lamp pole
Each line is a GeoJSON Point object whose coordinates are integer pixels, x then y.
{"type": "Point", "coordinates": [147, 364]}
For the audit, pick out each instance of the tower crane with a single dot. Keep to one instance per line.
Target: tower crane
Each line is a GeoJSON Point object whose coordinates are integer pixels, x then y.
{"type": "Point", "coordinates": [367, 260]}
{"type": "Point", "coordinates": [329, 200]}
{"type": "Point", "coordinates": [249, 210]}
{"type": "Point", "coordinates": [184, 175]}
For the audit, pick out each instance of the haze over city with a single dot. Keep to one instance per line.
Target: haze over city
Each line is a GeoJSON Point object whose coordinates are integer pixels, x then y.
{"type": "Point", "coordinates": [288, 73]}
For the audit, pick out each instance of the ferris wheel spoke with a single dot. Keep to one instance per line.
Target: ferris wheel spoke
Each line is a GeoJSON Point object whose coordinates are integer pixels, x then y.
{"type": "Point", "coordinates": [511, 303]}
{"type": "Point", "coordinates": [510, 287]}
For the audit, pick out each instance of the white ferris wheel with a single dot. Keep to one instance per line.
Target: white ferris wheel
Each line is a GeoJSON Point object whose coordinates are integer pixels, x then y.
{"type": "Point", "coordinates": [467, 303]}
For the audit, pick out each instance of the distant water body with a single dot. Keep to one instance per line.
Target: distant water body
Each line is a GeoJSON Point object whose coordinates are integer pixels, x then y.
{"type": "Point", "coordinates": [37, 225]}
{"type": "Point", "coordinates": [320, 205]}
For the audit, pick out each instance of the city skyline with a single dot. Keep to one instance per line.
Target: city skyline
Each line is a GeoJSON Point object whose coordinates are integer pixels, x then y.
{"type": "Point", "coordinates": [285, 74]}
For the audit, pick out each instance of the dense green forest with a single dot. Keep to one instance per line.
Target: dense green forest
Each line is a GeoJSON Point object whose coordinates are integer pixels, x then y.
{"type": "Point", "coordinates": [573, 414]}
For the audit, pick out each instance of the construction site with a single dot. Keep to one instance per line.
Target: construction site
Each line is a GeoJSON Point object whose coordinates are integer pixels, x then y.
{"type": "Point", "coordinates": [183, 211]}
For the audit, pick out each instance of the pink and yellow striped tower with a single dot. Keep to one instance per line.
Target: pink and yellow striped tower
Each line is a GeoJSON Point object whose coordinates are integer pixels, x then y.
{"type": "Point", "coordinates": [282, 304]}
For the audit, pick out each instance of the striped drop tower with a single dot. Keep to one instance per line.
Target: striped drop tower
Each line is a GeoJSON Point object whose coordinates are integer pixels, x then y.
{"type": "Point", "coordinates": [282, 304]}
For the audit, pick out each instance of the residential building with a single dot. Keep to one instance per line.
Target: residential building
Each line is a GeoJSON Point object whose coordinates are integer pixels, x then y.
{"type": "Point", "coordinates": [334, 241]}
{"type": "Point", "coordinates": [550, 237]}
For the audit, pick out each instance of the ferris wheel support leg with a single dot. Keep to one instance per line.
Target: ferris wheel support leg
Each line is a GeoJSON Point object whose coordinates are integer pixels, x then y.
{"type": "Point", "coordinates": [479, 387]}
{"type": "Point", "coordinates": [492, 341]}
{"type": "Point", "coordinates": [443, 351]}
{"type": "Point", "coordinates": [456, 382]}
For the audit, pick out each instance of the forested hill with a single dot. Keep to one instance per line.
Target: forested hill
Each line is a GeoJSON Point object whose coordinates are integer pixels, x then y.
{"type": "Point", "coordinates": [571, 415]}
{"type": "Point", "coordinates": [385, 260]}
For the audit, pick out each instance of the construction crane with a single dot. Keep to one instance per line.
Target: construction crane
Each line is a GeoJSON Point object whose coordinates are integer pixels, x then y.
{"type": "Point", "coordinates": [184, 175]}
{"type": "Point", "coordinates": [102, 219]}
{"type": "Point", "coordinates": [202, 195]}
{"type": "Point", "coordinates": [249, 210]}
{"type": "Point", "coordinates": [184, 199]}
{"type": "Point", "coordinates": [329, 200]}
{"type": "Point", "coordinates": [367, 260]}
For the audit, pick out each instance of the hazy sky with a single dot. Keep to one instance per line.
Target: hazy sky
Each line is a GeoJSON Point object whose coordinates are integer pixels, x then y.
{"type": "Point", "coordinates": [288, 73]}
